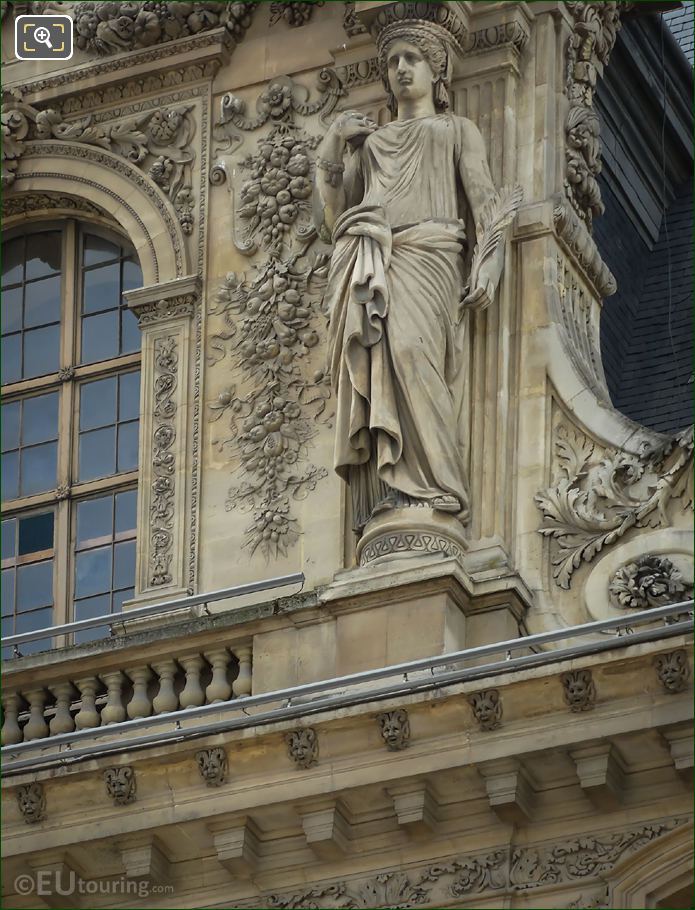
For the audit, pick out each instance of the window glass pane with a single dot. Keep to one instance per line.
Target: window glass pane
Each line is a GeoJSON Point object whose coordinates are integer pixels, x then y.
{"type": "Point", "coordinates": [9, 529]}
{"type": "Point", "coordinates": [35, 533]}
{"type": "Point", "coordinates": [97, 453]}
{"type": "Point", "coordinates": [129, 396]}
{"type": "Point", "coordinates": [132, 275]}
{"type": "Point", "coordinates": [93, 606]}
{"type": "Point", "coordinates": [10, 426]}
{"type": "Point", "coordinates": [34, 586]}
{"type": "Point", "coordinates": [11, 358]}
{"type": "Point", "coordinates": [96, 250]}
{"type": "Point", "coordinates": [94, 519]}
{"type": "Point", "coordinates": [40, 419]}
{"type": "Point", "coordinates": [101, 289]}
{"type": "Point", "coordinates": [30, 622]}
{"type": "Point", "coordinates": [126, 514]}
{"type": "Point", "coordinates": [11, 310]}
{"type": "Point", "coordinates": [127, 447]}
{"type": "Point", "coordinates": [119, 598]}
{"type": "Point", "coordinates": [93, 572]}
{"type": "Point", "coordinates": [130, 332]}
{"type": "Point", "coordinates": [124, 564]}
{"type": "Point", "coordinates": [12, 261]}
{"type": "Point", "coordinates": [42, 302]}
{"type": "Point", "coordinates": [100, 337]}
{"type": "Point", "coordinates": [43, 254]}
{"type": "Point", "coordinates": [98, 403]}
{"type": "Point", "coordinates": [7, 586]}
{"type": "Point", "coordinates": [10, 475]}
{"type": "Point", "coordinates": [39, 468]}
{"type": "Point", "coordinates": [41, 351]}
{"type": "Point", "coordinates": [7, 629]}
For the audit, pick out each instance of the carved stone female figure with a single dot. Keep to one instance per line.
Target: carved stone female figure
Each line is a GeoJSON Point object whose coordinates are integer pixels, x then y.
{"type": "Point", "coordinates": [396, 212]}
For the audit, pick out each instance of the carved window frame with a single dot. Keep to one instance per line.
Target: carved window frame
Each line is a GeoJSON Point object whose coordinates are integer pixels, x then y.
{"type": "Point", "coordinates": [62, 499]}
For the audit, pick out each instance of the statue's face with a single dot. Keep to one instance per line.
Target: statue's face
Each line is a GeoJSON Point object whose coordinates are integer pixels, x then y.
{"type": "Point", "coordinates": [409, 73]}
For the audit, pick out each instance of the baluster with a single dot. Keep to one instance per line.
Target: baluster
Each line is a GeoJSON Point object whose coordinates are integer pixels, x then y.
{"type": "Point", "coordinates": [36, 727]}
{"type": "Point", "coordinates": [218, 688]}
{"type": "Point", "coordinates": [192, 695]}
{"type": "Point", "coordinates": [166, 699]}
{"type": "Point", "coordinates": [242, 684]}
{"type": "Point", "coordinates": [87, 716]}
{"type": "Point", "coordinates": [62, 721]}
{"type": "Point", "coordinates": [11, 731]}
{"type": "Point", "coordinates": [139, 705]}
{"type": "Point", "coordinates": [113, 711]}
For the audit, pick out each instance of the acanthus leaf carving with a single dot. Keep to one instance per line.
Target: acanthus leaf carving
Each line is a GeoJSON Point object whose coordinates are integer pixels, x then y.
{"type": "Point", "coordinates": [594, 504]}
{"type": "Point", "coordinates": [294, 13]}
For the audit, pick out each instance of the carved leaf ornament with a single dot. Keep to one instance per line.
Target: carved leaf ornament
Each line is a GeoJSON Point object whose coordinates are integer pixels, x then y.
{"type": "Point", "coordinates": [594, 503]}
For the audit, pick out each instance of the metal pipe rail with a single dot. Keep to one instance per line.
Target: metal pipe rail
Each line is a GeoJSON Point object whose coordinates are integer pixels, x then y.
{"type": "Point", "coordinates": [167, 606]}
{"type": "Point", "coordinates": [293, 706]}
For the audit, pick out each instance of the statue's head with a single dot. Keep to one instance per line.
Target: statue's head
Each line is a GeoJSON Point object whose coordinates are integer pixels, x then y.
{"type": "Point", "coordinates": [415, 60]}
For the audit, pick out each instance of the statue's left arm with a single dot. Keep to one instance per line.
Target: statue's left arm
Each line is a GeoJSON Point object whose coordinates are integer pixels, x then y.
{"type": "Point", "coordinates": [492, 212]}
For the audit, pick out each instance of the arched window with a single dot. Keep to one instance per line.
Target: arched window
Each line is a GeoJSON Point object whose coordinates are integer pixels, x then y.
{"type": "Point", "coordinates": [70, 411]}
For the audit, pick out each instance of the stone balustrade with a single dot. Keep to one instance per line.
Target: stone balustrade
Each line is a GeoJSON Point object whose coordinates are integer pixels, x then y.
{"type": "Point", "coordinates": [49, 708]}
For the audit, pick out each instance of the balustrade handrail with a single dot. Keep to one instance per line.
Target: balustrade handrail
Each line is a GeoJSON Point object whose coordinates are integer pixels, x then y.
{"type": "Point", "coordinates": [167, 606]}
{"type": "Point", "coordinates": [295, 701]}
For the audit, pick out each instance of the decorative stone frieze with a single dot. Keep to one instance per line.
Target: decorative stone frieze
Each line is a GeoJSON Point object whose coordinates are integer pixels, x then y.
{"type": "Point", "coordinates": [31, 800]}
{"type": "Point", "coordinates": [506, 34]}
{"type": "Point", "coordinates": [351, 23]}
{"type": "Point", "coordinates": [109, 28]}
{"type": "Point", "coordinates": [579, 690]}
{"type": "Point", "coordinates": [213, 766]}
{"type": "Point", "coordinates": [37, 202]}
{"type": "Point", "coordinates": [529, 867]}
{"type": "Point", "coordinates": [120, 785]}
{"type": "Point", "coordinates": [303, 747]}
{"type": "Point", "coordinates": [394, 727]}
{"type": "Point", "coordinates": [294, 13]}
{"type": "Point", "coordinates": [596, 501]}
{"type": "Point", "coordinates": [487, 708]}
{"type": "Point", "coordinates": [649, 581]}
{"type": "Point", "coordinates": [673, 671]}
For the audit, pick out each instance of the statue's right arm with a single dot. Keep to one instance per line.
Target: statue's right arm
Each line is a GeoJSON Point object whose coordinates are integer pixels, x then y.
{"type": "Point", "coordinates": [330, 199]}
{"type": "Point", "coordinates": [330, 195]}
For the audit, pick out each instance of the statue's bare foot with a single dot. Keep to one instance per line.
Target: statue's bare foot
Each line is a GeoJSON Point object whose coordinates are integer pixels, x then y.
{"type": "Point", "coordinates": [446, 504]}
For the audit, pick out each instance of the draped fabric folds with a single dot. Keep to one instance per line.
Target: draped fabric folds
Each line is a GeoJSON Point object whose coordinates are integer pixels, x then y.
{"type": "Point", "coordinates": [393, 297]}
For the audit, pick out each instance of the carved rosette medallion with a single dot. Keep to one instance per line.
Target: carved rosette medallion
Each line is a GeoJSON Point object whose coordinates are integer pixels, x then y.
{"type": "Point", "coordinates": [269, 314]}
{"type": "Point", "coordinates": [596, 500]}
{"type": "Point", "coordinates": [649, 581]}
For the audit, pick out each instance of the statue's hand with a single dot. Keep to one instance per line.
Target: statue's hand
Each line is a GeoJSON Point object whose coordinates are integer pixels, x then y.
{"type": "Point", "coordinates": [353, 127]}
{"type": "Point", "coordinates": [480, 298]}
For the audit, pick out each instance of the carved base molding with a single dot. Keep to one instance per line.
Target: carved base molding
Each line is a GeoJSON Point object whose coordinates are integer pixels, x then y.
{"type": "Point", "coordinates": [413, 531]}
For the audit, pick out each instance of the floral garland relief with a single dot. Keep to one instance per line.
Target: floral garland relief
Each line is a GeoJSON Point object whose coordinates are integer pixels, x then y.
{"type": "Point", "coordinates": [596, 501]}
{"type": "Point", "coordinates": [269, 312]}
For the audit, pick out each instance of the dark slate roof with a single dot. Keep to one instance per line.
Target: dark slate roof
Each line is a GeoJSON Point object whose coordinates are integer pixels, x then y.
{"type": "Point", "coordinates": [682, 24]}
{"type": "Point", "coordinates": [654, 382]}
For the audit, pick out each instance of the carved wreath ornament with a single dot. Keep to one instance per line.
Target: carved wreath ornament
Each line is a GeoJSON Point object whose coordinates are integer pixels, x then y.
{"type": "Point", "coordinates": [595, 502]}
{"type": "Point", "coordinates": [269, 313]}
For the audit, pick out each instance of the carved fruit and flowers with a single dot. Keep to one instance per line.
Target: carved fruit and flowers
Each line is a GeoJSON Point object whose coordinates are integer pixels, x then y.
{"type": "Point", "coordinates": [269, 314]}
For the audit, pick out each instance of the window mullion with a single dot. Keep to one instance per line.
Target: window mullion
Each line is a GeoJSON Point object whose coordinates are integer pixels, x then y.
{"type": "Point", "coordinates": [63, 563]}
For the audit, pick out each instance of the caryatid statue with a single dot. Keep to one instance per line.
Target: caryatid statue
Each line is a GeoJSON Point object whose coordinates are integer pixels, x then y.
{"type": "Point", "coordinates": [395, 202]}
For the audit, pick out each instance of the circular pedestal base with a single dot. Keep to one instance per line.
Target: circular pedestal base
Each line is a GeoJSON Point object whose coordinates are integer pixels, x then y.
{"type": "Point", "coordinates": [414, 531]}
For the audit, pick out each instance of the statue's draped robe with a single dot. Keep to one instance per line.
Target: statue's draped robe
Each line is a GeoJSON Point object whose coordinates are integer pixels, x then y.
{"type": "Point", "coordinates": [393, 298]}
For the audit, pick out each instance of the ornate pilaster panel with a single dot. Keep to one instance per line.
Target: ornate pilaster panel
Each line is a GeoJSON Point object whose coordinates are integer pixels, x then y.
{"type": "Point", "coordinates": [166, 316]}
